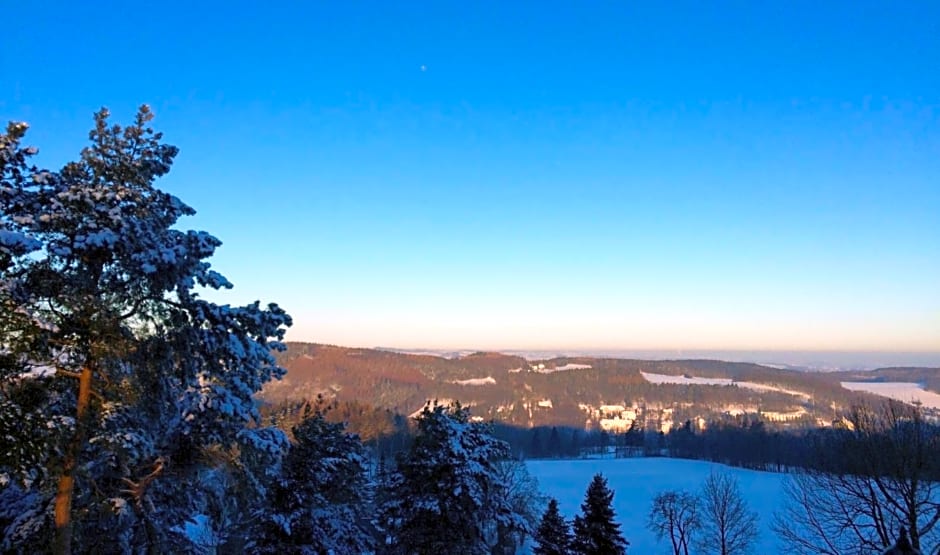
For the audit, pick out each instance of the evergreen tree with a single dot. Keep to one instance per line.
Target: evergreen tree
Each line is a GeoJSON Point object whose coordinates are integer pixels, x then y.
{"type": "Point", "coordinates": [123, 374]}
{"type": "Point", "coordinates": [595, 532]}
{"type": "Point", "coordinates": [574, 448]}
{"type": "Point", "coordinates": [554, 443]}
{"type": "Point", "coordinates": [634, 436]}
{"type": "Point", "coordinates": [318, 504]}
{"type": "Point", "coordinates": [445, 495]}
{"type": "Point", "coordinates": [553, 536]}
{"type": "Point", "coordinates": [536, 449]}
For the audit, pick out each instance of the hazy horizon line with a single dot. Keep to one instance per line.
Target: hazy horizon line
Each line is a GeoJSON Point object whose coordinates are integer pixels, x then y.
{"type": "Point", "coordinates": [648, 349]}
{"type": "Point", "coordinates": [478, 349]}
{"type": "Point", "coordinates": [833, 359]}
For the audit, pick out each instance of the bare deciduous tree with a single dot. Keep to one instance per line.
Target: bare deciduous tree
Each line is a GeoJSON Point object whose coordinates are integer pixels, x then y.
{"type": "Point", "coordinates": [522, 492]}
{"type": "Point", "coordinates": [674, 514]}
{"type": "Point", "coordinates": [729, 526]}
{"type": "Point", "coordinates": [885, 477]}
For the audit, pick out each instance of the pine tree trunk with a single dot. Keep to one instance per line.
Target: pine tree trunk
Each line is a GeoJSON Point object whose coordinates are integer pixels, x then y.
{"type": "Point", "coordinates": [63, 498]}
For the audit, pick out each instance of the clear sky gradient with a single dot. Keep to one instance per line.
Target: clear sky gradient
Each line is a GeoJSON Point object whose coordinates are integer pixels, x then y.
{"type": "Point", "coordinates": [747, 175]}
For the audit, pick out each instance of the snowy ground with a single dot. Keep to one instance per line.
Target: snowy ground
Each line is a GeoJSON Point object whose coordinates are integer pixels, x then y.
{"type": "Point", "coordinates": [691, 380]}
{"type": "Point", "coordinates": [636, 481]}
{"type": "Point", "coordinates": [666, 378]}
{"type": "Point", "coordinates": [569, 366]}
{"type": "Point", "coordinates": [489, 380]}
{"type": "Point", "coordinates": [901, 391]}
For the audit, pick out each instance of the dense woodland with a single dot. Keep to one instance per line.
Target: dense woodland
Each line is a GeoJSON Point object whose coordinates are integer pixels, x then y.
{"type": "Point", "coordinates": [131, 423]}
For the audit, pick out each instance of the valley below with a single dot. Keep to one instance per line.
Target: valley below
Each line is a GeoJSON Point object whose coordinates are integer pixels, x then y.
{"type": "Point", "coordinates": [607, 394]}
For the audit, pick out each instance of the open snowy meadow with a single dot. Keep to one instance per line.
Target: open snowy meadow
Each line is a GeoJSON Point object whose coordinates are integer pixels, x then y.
{"type": "Point", "coordinates": [905, 392]}
{"type": "Point", "coordinates": [636, 481]}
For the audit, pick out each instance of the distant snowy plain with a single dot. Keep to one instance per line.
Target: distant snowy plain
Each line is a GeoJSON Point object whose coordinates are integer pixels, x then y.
{"type": "Point", "coordinates": [637, 481]}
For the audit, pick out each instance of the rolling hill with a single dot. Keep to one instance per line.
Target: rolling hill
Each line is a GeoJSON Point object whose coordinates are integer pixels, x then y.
{"type": "Point", "coordinates": [575, 391]}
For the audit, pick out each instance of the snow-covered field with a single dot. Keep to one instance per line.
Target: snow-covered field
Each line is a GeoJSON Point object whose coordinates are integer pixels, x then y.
{"type": "Point", "coordinates": [566, 367]}
{"type": "Point", "coordinates": [682, 380]}
{"type": "Point", "coordinates": [541, 369]}
{"type": "Point", "coordinates": [636, 481]}
{"type": "Point", "coordinates": [901, 391]}
{"type": "Point", "coordinates": [489, 380]}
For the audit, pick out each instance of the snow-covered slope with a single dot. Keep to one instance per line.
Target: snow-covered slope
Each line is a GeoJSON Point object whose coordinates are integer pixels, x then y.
{"type": "Point", "coordinates": [692, 380]}
{"type": "Point", "coordinates": [902, 391]}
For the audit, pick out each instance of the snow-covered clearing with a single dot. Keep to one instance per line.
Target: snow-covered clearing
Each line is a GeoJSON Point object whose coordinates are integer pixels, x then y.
{"type": "Point", "coordinates": [692, 380]}
{"type": "Point", "coordinates": [901, 391]}
{"type": "Point", "coordinates": [569, 366]}
{"type": "Point", "coordinates": [636, 481]}
{"type": "Point", "coordinates": [489, 380]}
{"type": "Point", "coordinates": [683, 380]}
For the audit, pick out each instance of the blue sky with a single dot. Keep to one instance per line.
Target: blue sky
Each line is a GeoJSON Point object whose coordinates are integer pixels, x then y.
{"type": "Point", "coordinates": [748, 175]}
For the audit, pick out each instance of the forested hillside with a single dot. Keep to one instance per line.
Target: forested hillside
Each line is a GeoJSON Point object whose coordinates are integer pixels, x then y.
{"type": "Point", "coordinates": [579, 392]}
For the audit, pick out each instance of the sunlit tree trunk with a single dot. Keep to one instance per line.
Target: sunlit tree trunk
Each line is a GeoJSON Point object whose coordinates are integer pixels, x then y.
{"type": "Point", "coordinates": [63, 498]}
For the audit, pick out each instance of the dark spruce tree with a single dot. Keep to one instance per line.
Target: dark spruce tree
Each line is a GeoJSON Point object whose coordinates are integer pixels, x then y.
{"type": "Point", "coordinates": [318, 504]}
{"type": "Point", "coordinates": [553, 536]}
{"type": "Point", "coordinates": [595, 532]}
{"type": "Point", "coordinates": [445, 495]}
{"type": "Point", "coordinates": [536, 449]}
{"type": "Point", "coordinates": [554, 443]}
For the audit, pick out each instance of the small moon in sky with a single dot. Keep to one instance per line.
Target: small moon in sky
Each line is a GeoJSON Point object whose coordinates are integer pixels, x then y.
{"type": "Point", "coordinates": [424, 67]}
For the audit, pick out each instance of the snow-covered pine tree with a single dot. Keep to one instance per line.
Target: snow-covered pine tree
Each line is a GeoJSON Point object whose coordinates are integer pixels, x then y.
{"type": "Point", "coordinates": [553, 536]}
{"type": "Point", "coordinates": [122, 356]}
{"type": "Point", "coordinates": [23, 430]}
{"type": "Point", "coordinates": [595, 531]}
{"type": "Point", "coordinates": [319, 502]}
{"type": "Point", "coordinates": [444, 495]}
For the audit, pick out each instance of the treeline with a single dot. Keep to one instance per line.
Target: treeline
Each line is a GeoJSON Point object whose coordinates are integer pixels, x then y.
{"type": "Point", "coordinates": [741, 441]}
